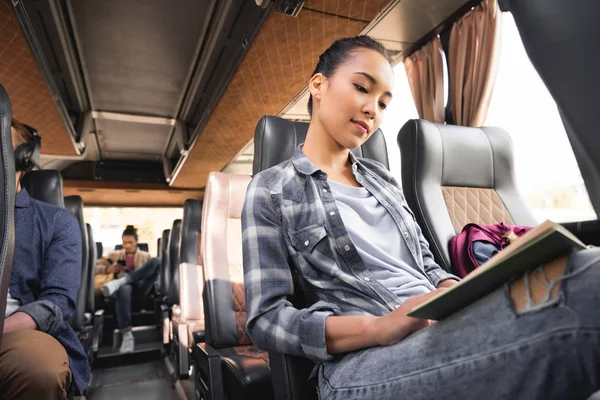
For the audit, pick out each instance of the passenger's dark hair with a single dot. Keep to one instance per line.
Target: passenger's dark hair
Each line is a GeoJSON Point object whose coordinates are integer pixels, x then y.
{"type": "Point", "coordinates": [130, 231]}
{"type": "Point", "coordinates": [340, 51]}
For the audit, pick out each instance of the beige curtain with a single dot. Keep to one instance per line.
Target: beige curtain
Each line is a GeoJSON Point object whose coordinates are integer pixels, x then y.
{"type": "Point", "coordinates": [474, 55]}
{"type": "Point", "coordinates": [426, 79]}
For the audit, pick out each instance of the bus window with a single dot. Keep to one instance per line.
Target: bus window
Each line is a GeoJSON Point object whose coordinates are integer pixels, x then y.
{"type": "Point", "coordinates": [547, 173]}
{"type": "Point", "coordinates": [108, 224]}
{"type": "Point", "coordinates": [401, 109]}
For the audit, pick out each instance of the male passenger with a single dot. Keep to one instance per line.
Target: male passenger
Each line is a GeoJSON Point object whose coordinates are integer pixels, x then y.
{"type": "Point", "coordinates": [40, 355]}
{"type": "Point", "coordinates": [135, 271]}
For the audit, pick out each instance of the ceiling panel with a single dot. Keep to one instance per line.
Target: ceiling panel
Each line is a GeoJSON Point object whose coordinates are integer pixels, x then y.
{"type": "Point", "coordinates": [356, 9]}
{"type": "Point", "coordinates": [31, 100]}
{"type": "Point", "coordinates": [137, 54]}
{"type": "Point", "coordinates": [128, 140]}
{"type": "Point", "coordinates": [275, 69]}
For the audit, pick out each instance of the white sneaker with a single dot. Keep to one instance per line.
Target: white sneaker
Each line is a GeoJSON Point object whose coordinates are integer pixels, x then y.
{"type": "Point", "coordinates": [127, 343]}
{"type": "Point", "coordinates": [109, 288]}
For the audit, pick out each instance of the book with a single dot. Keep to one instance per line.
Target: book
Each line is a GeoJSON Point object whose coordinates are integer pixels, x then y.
{"type": "Point", "coordinates": [539, 246]}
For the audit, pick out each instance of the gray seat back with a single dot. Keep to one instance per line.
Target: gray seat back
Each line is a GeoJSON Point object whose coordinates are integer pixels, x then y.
{"type": "Point", "coordinates": [455, 175]}
{"type": "Point", "coordinates": [75, 205]}
{"type": "Point", "coordinates": [7, 200]}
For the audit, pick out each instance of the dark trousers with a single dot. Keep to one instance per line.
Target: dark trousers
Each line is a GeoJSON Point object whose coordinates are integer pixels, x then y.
{"type": "Point", "coordinates": [141, 281]}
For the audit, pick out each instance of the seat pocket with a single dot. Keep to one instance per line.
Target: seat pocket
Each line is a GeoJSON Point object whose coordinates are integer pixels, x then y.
{"type": "Point", "coordinates": [307, 238]}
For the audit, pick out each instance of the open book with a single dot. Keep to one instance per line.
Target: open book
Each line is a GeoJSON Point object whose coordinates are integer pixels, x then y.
{"type": "Point", "coordinates": [540, 245]}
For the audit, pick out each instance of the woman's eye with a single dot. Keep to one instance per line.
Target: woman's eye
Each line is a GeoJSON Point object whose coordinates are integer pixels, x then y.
{"type": "Point", "coordinates": [361, 88]}
{"type": "Point", "coordinates": [382, 105]}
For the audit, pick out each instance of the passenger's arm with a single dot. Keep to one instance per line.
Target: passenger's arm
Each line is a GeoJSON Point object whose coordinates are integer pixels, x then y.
{"type": "Point", "coordinates": [350, 333]}
{"type": "Point", "coordinates": [102, 266]}
{"type": "Point", "coordinates": [272, 321]}
{"type": "Point", "coordinates": [60, 276]}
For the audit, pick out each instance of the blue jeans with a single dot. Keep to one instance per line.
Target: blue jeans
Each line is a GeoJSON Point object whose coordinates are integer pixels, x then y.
{"type": "Point", "coordinates": [141, 281]}
{"type": "Point", "coordinates": [488, 350]}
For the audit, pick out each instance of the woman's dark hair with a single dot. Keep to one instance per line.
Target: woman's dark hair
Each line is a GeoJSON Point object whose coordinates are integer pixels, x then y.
{"type": "Point", "coordinates": [340, 51]}
{"type": "Point", "coordinates": [130, 231]}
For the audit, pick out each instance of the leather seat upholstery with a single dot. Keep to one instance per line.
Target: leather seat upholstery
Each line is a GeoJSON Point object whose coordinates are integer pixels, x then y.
{"type": "Point", "coordinates": [75, 205]}
{"type": "Point", "coordinates": [99, 250]}
{"type": "Point", "coordinates": [191, 307]}
{"type": "Point", "coordinates": [245, 369]}
{"type": "Point", "coordinates": [188, 317]}
{"type": "Point", "coordinates": [164, 280]}
{"type": "Point", "coordinates": [454, 175]}
{"type": "Point", "coordinates": [275, 140]}
{"type": "Point", "coordinates": [45, 185]}
{"type": "Point", "coordinates": [92, 256]}
{"type": "Point", "coordinates": [174, 240]}
{"type": "Point", "coordinates": [7, 200]}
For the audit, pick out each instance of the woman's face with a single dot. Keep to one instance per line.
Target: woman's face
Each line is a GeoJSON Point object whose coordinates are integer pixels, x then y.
{"type": "Point", "coordinates": [129, 244]}
{"type": "Point", "coordinates": [352, 101]}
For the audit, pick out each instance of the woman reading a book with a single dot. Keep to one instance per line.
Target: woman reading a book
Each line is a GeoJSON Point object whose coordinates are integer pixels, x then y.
{"type": "Point", "coordinates": [339, 228]}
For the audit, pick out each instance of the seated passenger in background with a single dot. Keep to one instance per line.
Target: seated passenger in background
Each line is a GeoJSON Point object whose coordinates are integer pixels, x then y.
{"type": "Point", "coordinates": [340, 227]}
{"type": "Point", "coordinates": [136, 272]}
{"type": "Point", "coordinates": [40, 354]}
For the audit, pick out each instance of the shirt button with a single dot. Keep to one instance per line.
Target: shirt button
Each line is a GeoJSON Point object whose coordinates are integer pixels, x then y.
{"type": "Point", "coordinates": [306, 243]}
{"type": "Point", "coordinates": [367, 279]}
{"type": "Point", "coordinates": [406, 235]}
{"type": "Point", "coordinates": [332, 213]}
{"type": "Point", "coordinates": [384, 202]}
{"type": "Point", "coordinates": [359, 180]}
{"type": "Point", "coordinates": [324, 190]}
{"type": "Point", "coordinates": [347, 248]}
{"type": "Point", "coordinates": [354, 167]}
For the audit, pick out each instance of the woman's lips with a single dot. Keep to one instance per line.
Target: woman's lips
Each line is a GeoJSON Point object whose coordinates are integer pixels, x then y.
{"type": "Point", "coordinates": [360, 127]}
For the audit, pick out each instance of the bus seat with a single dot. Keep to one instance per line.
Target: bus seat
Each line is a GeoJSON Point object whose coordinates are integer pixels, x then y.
{"type": "Point", "coordinates": [97, 315]}
{"type": "Point", "coordinates": [75, 205]}
{"type": "Point", "coordinates": [92, 256]}
{"type": "Point", "coordinates": [454, 175]}
{"type": "Point", "coordinates": [275, 140]}
{"type": "Point", "coordinates": [85, 331]}
{"type": "Point", "coordinates": [158, 248]}
{"type": "Point", "coordinates": [7, 202]}
{"type": "Point", "coordinates": [164, 263]}
{"type": "Point", "coordinates": [160, 307]}
{"type": "Point", "coordinates": [99, 250]}
{"type": "Point", "coordinates": [171, 281]}
{"type": "Point", "coordinates": [141, 246]}
{"type": "Point", "coordinates": [229, 365]}
{"type": "Point", "coordinates": [174, 240]}
{"type": "Point", "coordinates": [188, 317]}
{"type": "Point", "coordinates": [45, 185]}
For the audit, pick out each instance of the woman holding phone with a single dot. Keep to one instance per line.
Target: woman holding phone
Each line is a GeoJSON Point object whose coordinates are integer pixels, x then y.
{"type": "Point", "coordinates": [136, 272]}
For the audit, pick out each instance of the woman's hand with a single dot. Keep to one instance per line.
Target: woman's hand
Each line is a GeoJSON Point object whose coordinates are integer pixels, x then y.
{"type": "Point", "coordinates": [395, 326]}
{"type": "Point", "coordinates": [115, 268]}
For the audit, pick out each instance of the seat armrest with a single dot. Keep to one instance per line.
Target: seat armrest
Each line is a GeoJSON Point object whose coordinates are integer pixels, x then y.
{"type": "Point", "coordinates": [98, 329]}
{"type": "Point", "coordinates": [209, 378]}
{"type": "Point", "coordinates": [180, 348]}
{"type": "Point", "coordinates": [166, 323]}
{"type": "Point", "coordinates": [290, 375]}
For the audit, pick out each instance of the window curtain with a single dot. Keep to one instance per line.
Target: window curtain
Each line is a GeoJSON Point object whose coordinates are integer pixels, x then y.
{"type": "Point", "coordinates": [426, 80]}
{"type": "Point", "coordinates": [473, 62]}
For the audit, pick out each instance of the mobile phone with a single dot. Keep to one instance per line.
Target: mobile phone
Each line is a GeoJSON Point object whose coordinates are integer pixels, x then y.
{"type": "Point", "coordinates": [121, 262]}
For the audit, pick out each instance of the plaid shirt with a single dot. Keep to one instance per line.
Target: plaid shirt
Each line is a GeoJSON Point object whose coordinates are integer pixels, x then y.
{"type": "Point", "coordinates": [294, 238]}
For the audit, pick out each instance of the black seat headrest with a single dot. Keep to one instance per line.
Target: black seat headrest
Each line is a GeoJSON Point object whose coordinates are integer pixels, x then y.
{"type": "Point", "coordinates": [276, 139]}
{"type": "Point", "coordinates": [190, 229]}
{"type": "Point", "coordinates": [141, 246]}
{"type": "Point", "coordinates": [45, 185]}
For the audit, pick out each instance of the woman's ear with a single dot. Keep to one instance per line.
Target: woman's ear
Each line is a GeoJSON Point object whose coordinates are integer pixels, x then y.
{"type": "Point", "coordinates": [315, 85]}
